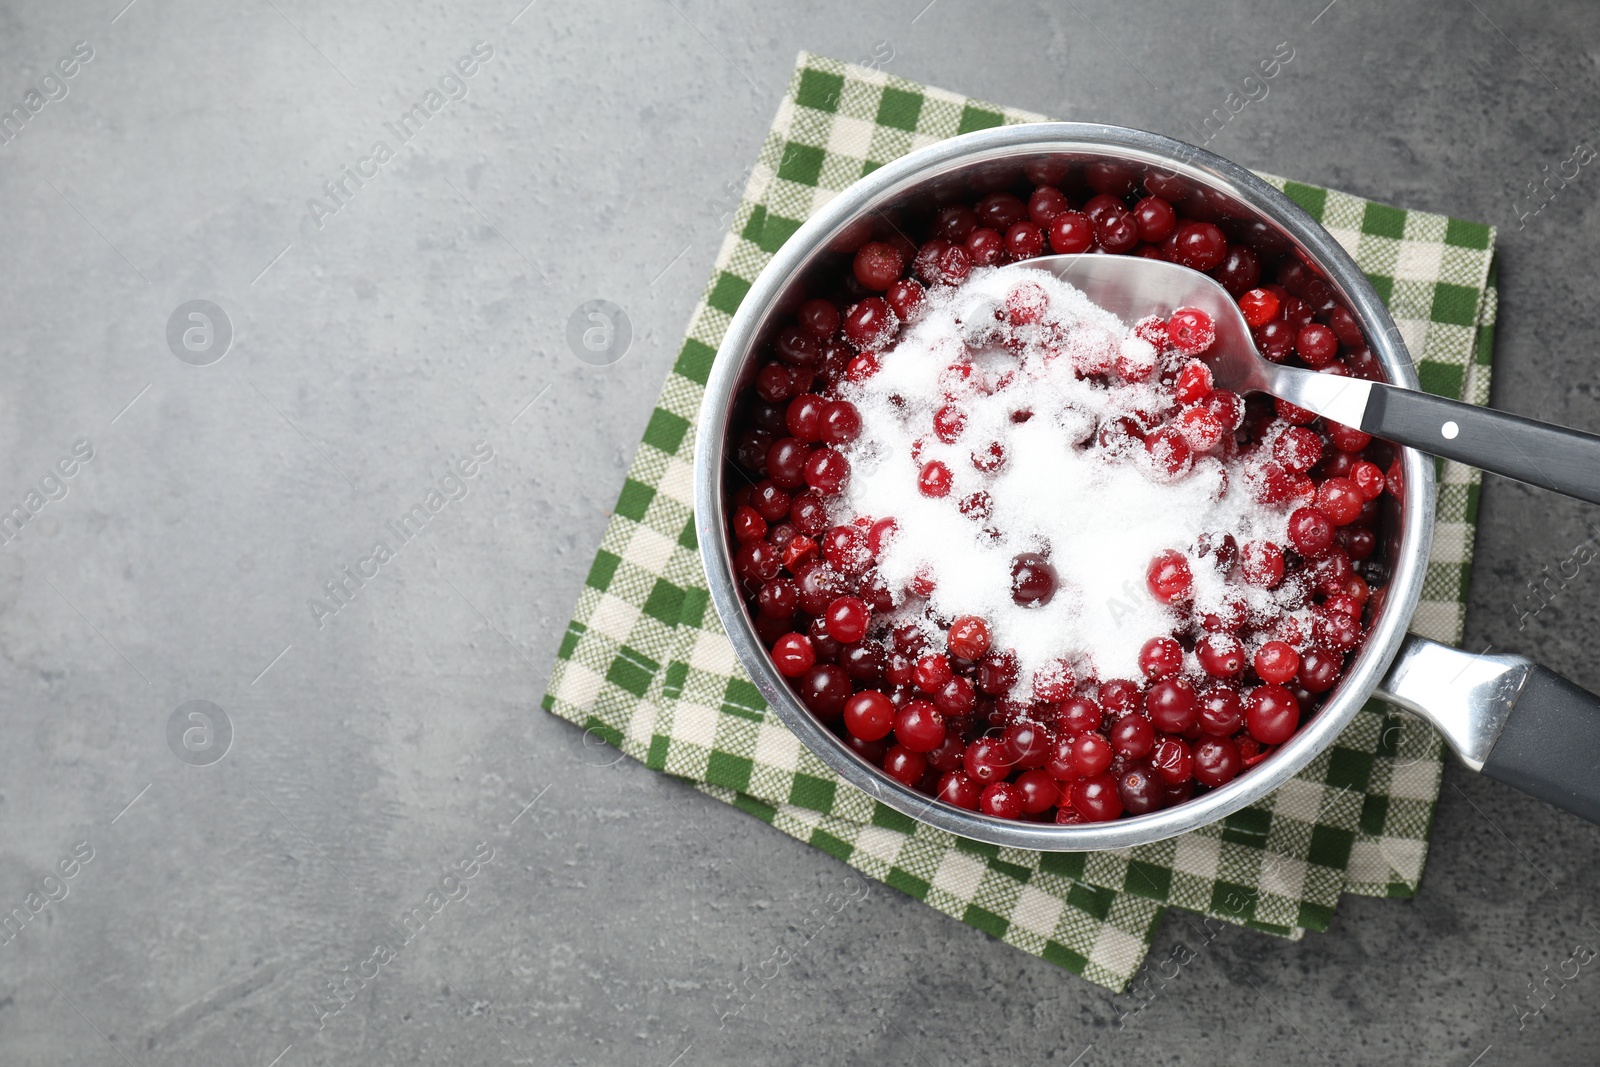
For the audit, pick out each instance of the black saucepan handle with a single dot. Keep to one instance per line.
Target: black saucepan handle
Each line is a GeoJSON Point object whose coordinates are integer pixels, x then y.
{"type": "Point", "coordinates": [1550, 745]}
{"type": "Point", "coordinates": [1551, 457]}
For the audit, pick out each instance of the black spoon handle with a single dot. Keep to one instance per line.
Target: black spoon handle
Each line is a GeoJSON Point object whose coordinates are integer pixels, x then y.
{"type": "Point", "coordinates": [1551, 457]}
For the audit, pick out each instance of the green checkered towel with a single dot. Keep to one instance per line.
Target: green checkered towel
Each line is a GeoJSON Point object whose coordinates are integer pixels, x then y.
{"type": "Point", "coordinates": [646, 665]}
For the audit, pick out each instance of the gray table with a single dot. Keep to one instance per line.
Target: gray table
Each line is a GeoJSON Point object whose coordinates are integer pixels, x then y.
{"type": "Point", "coordinates": [378, 753]}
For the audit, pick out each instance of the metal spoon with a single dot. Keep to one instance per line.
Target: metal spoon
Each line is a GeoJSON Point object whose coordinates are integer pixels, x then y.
{"type": "Point", "coordinates": [1551, 457]}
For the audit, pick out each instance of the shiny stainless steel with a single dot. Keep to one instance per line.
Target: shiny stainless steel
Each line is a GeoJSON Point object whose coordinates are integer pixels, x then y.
{"type": "Point", "coordinates": [1467, 697]}
{"type": "Point", "coordinates": [920, 177]}
{"type": "Point", "coordinates": [1132, 287]}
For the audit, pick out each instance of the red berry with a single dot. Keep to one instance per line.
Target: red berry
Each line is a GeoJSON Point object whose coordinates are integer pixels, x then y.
{"type": "Point", "coordinates": [968, 638]}
{"type": "Point", "coordinates": [986, 759]}
{"type": "Point", "coordinates": [870, 324]}
{"type": "Point", "coordinates": [1311, 532]}
{"type": "Point", "coordinates": [1046, 203]}
{"type": "Point", "coordinates": [1002, 800]}
{"type": "Point", "coordinates": [1276, 662]}
{"type": "Point", "coordinates": [1216, 762]}
{"type": "Point", "coordinates": [878, 264]}
{"type": "Point", "coordinates": [1156, 219]}
{"type": "Point", "coordinates": [1161, 657]}
{"type": "Point", "coordinates": [1191, 330]}
{"type": "Point", "coordinates": [985, 247]}
{"type": "Point", "coordinates": [958, 789]}
{"type": "Point", "coordinates": [847, 619]}
{"type": "Point", "coordinates": [1033, 580]}
{"type": "Point", "coordinates": [1260, 306]}
{"type": "Point", "coordinates": [869, 715]}
{"type": "Point", "coordinates": [1170, 455]}
{"type": "Point", "coordinates": [1316, 345]}
{"type": "Point", "coordinates": [1221, 711]}
{"type": "Point", "coordinates": [1132, 735]}
{"type": "Point", "coordinates": [1199, 246]}
{"type": "Point", "coordinates": [1079, 715]}
{"type": "Point", "coordinates": [1172, 705]}
{"type": "Point", "coordinates": [904, 298]}
{"type": "Point", "coordinates": [932, 672]}
{"type": "Point", "coordinates": [1168, 577]}
{"type": "Point", "coordinates": [1071, 232]}
{"type": "Point", "coordinates": [1027, 744]}
{"type": "Point", "coordinates": [1271, 714]}
{"type": "Point", "coordinates": [1096, 798]}
{"type": "Point", "coordinates": [1091, 754]}
{"type": "Point", "coordinates": [1369, 480]}
{"type": "Point", "coordinates": [934, 480]}
{"type": "Point", "coordinates": [905, 766]}
{"type": "Point", "coordinates": [841, 422]}
{"type": "Point", "coordinates": [1220, 655]}
{"type": "Point", "coordinates": [1172, 760]}
{"type": "Point", "coordinates": [1026, 304]}
{"type": "Point", "coordinates": [1194, 383]}
{"type": "Point", "coordinates": [948, 422]}
{"type": "Point", "coordinates": [1341, 500]}
{"type": "Point", "coordinates": [1346, 438]}
{"type": "Point", "coordinates": [1297, 449]}
{"type": "Point", "coordinates": [793, 655]}
{"type": "Point", "coordinates": [1039, 791]}
{"type": "Point", "coordinates": [826, 471]}
{"type": "Point", "coordinates": [1261, 563]}
{"type": "Point", "coordinates": [1053, 683]}
{"type": "Point", "coordinates": [748, 525]}
{"type": "Point", "coordinates": [1024, 240]}
{"type": "Point", "coordinates": [919, 726]}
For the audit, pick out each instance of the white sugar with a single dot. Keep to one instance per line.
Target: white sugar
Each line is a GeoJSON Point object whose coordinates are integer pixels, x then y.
{"type": "Point", "coordinates": [1098, 512]}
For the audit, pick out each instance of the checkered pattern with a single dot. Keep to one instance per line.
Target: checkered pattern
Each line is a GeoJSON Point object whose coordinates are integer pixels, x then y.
{"type": "Point", "coordinates": [646, 665]}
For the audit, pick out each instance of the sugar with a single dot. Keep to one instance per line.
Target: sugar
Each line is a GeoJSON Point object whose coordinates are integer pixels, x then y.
{"type": "Point", "coordinates": [1098, 511]}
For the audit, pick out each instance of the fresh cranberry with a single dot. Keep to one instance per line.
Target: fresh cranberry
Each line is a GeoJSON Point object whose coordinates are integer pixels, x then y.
{"type": "Point", "coordinates": [1119, 695]}
{"type": "Point", "coordinates": [841, 422]}
{"type": "Point", "coordinates": [1220, 655]}
{"type": "Point", "coordinates": [1132, 735]}
{"type": "Point", "coordinates": [819, 316]}
{"type": "Point", "coordinates": [757, 561]}
{"type": "Point", "coordinates": [869, 715]}
{"type": "Point", "coordinates": [863, 662]}
{"type": "Point", "coordinates": [1079, 715]}
{"type": "Point", "coordinates": [1097, 799]}
{"type": "Point", "coordinates": [985, 247]}
{"type": "Point", "coordinates": [989, 458]}
{"type": "Point", "coordinates": [824, 689]}
{"type": "Point", "coordinates": [1168, 577]}
{"type": "Point", "coordinates": [1239, 270]}
{"type": "Point", "coordinates": [956, 697]}
{"type": "Point", "coordinates": [798, 347]}
{"type": "Point", "coordinates": [793, 655]}
{"type": "Point", "coordinates": [931, 673]}
{"type": "Point", "coordinates": [1039, 791]}
{"type": "Point", "coordinates": [1156, 219]}
{"type": "Point", "coordinates": [1317, 345]}
{"type": "Point", "coordinates": [878, 264]}
{"type": "Point", "coordinates": [847, 619]}
{"type": "Point", "coordinates": [1161, 657]}
{"type": "Point", "coordinates": [1170, 455]}
{"type": "Point", "coordinates": [905, 766]}
{"type": "Point", "coordinates": [1173, 761]}
{"type": "Point", "coordinates": [1199, 246]}
{"type": "Point", "coordinates": [1320, 669]}
{"type": "Point", "coordinates": [1003, 800]}
{"type": "Point", "coordinates": [918, 726]}
{"type": "Point", "coordinates": [1117, 232]}
{"type": "Point", "coordinates": [1194, 383]}
{"type": "Point", "coordinates": [1000, 210]}
{"type": "Point", "coordinates": [1271, 714]}
{"type": "Point", "coordinates": [948, 422]}
{"type": "Point", "coordinates": [1261, 563]}
{"type": "Point", "coordinates": [1216, 762]}
{"type": "Point", "coordinates": [1140, 792]}
{"type": "Point", "coordinates": [1311, 532]}
{"type": "Point", "coordinates": [1071, 233]}
{"type": "Point", "coordinates": [1276, 662]}
{"type": "Point", "coordinates": [748, 525]}
{"type": "Point", "coordinates": [1191, 330]}
{"type": "Point", "coordinates": [1275, 339]}
{"type": "Point", "coordinates": [826, 471]}
{"type": "Point", "coordinates": [934, 479]}
{"type": "Point", "coordinates": [1053, 683]}
{"type": "Point", "coordinates": [870, 324]}
{"type": "Point", "coordinates": [1046, 203]}
{"type": "Point", "coordinates": [803, 417]}
{"type": "Point", "coordinates": [1260, 306]}
{"type": "Point", "coordinates": [1172, 705]}
{"type": "Point", "coordinates": [1221, 711]}
{"type": "Point", "coordinates": [958, 789]}
{"type": "Point", "coordinates": [1024, 240]}
{"type": "Point", "coordinates": [1033, 580]}
{"type": "Point", "coordinates": [986, 759]}
{"type": "Point", "coordinates": [1297, 449]}
{"type": "Point", "coordinates": [968, 637]}
{"type": "Point", "coordinates": [845, 549]}
{"type": "Point", "coordinates": [997, 673]}
{"type": "Point", "coordinates": [1340, 499]}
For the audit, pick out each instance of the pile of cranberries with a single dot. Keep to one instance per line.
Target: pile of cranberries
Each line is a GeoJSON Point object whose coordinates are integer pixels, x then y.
{"type": "Point", "coordinates": [1221, 689]}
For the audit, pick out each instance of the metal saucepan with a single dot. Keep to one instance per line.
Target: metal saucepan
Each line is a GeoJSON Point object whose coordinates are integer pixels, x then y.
{"type": "Point", "coordinates": [1502, 714]}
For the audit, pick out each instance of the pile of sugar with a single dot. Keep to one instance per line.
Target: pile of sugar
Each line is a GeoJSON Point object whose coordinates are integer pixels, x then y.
{"type": "Point", "coordinates": [1100, 513]}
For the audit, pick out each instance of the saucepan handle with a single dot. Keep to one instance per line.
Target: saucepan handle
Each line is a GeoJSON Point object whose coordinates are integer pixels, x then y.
{"type": "Point", "coordinates": [1506, 716]}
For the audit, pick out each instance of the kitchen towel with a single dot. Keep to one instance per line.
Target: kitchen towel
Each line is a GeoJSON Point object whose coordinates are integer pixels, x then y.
{"type": "Point", "coordinates": [646, 665]}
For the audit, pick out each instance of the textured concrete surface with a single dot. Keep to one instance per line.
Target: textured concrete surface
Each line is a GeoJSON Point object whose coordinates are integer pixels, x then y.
{"type": "Point", "coordinates": [398, 743]}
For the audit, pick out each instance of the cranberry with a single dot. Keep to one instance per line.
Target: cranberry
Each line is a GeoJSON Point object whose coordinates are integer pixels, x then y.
{"type": "Point", "coordinates": [1216, 762]}
{"type": "Point", "coordinates": [1191, 330]}
{"type": "Point", "coordinates": [786, 462]}
{"type": "Point", "coordinates": [863, 662]}
{"type": "Point", "coordinates": [934, 480]}
{"type": "Point", "coordinates": [1003, 800]}
{"type": "Point", "coordinates": [870, 324]}
{"type": "Point", "coordinates": [1336, 631]}
{"type": "Point", "coordinates": [748, 525]}
{"type": "Point", "coordinates": [968, 638]}
{"type": "Point", "coordinates": [1046, 203]}
{"type": "Point", "coordinates": [959, 790]}
{"type": "Point", "coordinates": [986, 759]}
{"type": "Point", "coordinates": [1271, 714]}
{"type": "Point", "coordinates": [1033, 580]}
{"type": "Point", "coordinates": [1071, 233]}
{"type": "Point", "coordinates": [918, 726]}
{"type": "Point", "coordinates": [1220, 655]}
{"type": "Point", "coordinates": [989, 459]}
{"type": "Point", "coordinates": [1297, 449]}
{"type": "Point", "coordinates": [1140, 792]}
{"type": "Point", "coordinates": [905, 766]}
{"type": "Point", "coordinates": [1091, 754]}
{"type": "Point", "coordinates": [997, 673]}
{"type": "Point", "coordinates": [1132, 735]}
{"type": "Point", "coordinates": [1156, 219]}
{"type": "Point", "coordinates": [847, 619]}
{"type": "Point", "coordinates": [1169, 453]}
{"type": "Point", "coordinates": [943, 263]}
{"type": "Point", "coordinates": [1172, 705]}
{"type": "Point", "coordinates": [1000, 210]}
{"type": "Point", "coordinates": [1275, 339]}
{"type": "Point", "coordinates": [1117, 232]}
{"type": "Point", "coordinates": [1039, 791]}
{"type": "Point", "coordinates": [1239, 270]}
{"type": "Point", "coordinates": [1199, 246]}
{"type": "Point", "coordinates": [1027, 744]}
{"type": "Point", "coordinates": [1320, 669]}
{"type": "Point", "coordinates": [1168, 577]}
{"type": "Point", "coordinates": [1276, 662]}
{"type": "Point", "coordinates": [1053, 682]}
{"type": "Point", "coordinates": [1161, 657]}
{"type": "Point", "coordinates": [841, 422]}
{"type": "Point", "coordinates": [1316, 344]}
{"type": "Point", "coordinates": [878, 264]}
{"type": "Point", "coordinates": [1119, 695]}
{"type": "Point", "coordinates": [1221, 711]}
{"type": "Point", "coordinates": [1311, 532]}
{"type": "Point", "coordinates": [1260, 306]}
{"type": "Point", "coordinates": [1194, 383]}
{"type": "Point", "coordinates": [985, 247]}
{"type": "Point", "coordinates": [757, 561]}
{"type": "Point", "coordinates": [1340, 499]}
{"type": "Point", "coordinates": [1024, 240]}
{"type": "Point", "coordinates": [819, 316]}
{"type": "Point", "coordinates": [803, 417]}
{"type": "Point", "coordinates": [793, 655]}
{"type": "Point", "coordinates": [845, 548]}
{"type": "Point", "coordinates": [956, 697]}
{"type": "Point", "coordinates": [869, 715]}
{"type": "Point", "coordinates": [948, 422]}
{"type": "Point", "coordinates": [824, 689]}
{"type": "Point", "coordinates": [1261, 563]}
{"type": "Point", "coordinates": [1079, 715]}
{"type": "Point", "coordinates": [931, 673]}
{"type": "Point", "coordinates": [826, 470]}
{"type": "Point", "coordinates": [1172, 760]}
{"type": "Point", "coordinates": [798, 348]}
{"type": "Point", "coordinates": [1097, 799]}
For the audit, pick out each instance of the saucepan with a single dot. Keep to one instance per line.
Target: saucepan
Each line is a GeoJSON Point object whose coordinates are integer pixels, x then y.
{"type": "Point", "coordinates": [1502, 714]}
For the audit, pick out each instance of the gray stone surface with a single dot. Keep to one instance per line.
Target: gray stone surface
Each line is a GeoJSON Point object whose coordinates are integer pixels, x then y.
{"type": "Point", "coordinates": [591, 159]}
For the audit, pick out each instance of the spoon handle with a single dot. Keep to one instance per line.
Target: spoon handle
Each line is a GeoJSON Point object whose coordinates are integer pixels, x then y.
{"type": "Point", "coordinates": [1551, 457]}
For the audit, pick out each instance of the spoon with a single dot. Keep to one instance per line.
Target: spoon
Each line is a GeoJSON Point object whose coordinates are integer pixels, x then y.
{"type": "Point", "coordinates": [1551, 457]}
